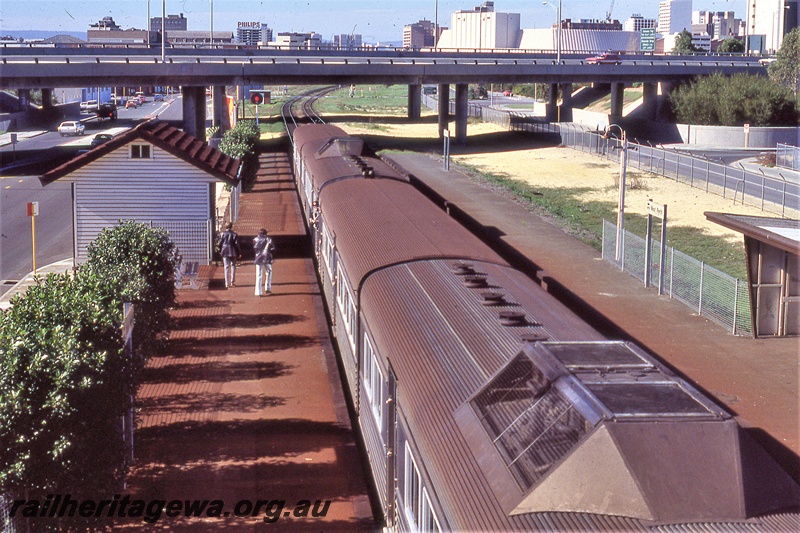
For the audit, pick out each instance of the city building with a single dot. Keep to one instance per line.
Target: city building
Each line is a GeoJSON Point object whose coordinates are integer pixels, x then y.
{"type": "Point", "coordinates": [420, 34]}
{"type": "Point", "coordinates": [674, 16]}
{"type": "Point", "coordinates": [768, 21]}
{"type": "Point", "coordinates": [106, 24]}
{"type": "Point", "coordinates": [253, 33]}
{"type": "Point", "coordinates": [482, 28]}
{"type": "Point", "coordinates": [298, 41]}
{"type": "Point", "coordinates": [171, 23]}
{"type": "Point", "coordinates": [637, 22]}
{"type": "Point", "coordinates": [591, 24]}
{"type": "Point", "coordinates": [347, 41]}
{"type": "Point", "coordinates": [720, 25]}
{"type": "Point", "coordinates": [198, 37]}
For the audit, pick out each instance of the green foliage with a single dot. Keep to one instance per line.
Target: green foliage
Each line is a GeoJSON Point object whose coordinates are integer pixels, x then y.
{"type": "Point", "coordinates": [477, 91]}
{"type": "Point", "coordinates": [66, 379]}
{"type": "Point", "coordinates": [719, 101]}
{"type": "Point", "coordinates": [731, 46]}
{"type": "Point", "coordinates": [140, 259]}
{"type": "Point", "coordinates": [683, 44]}
{"type": "Point", "coordinates": [62, 389]}
{"type": "Point", "coordinates": [240, 142]}
{"type": "Point", "coordinates": [785, 70]}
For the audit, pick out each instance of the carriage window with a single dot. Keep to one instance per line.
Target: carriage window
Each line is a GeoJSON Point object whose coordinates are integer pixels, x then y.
{"type": "Point", "coordinates": [140, 151]}
{"type": "Point", "coordinates": [373, 380]}
{"type": "Point", "coordinates": [415, 498]}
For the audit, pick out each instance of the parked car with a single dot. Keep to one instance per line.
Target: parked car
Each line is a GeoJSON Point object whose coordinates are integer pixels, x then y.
{"type": "Point", "coordinates": [132, 102]}
{"type": "Point", "coordinates": [507, 93]}
{"type": "Point", "coordinates": [71, 127]}
{"type": "Point", "coordinates": [100, 138]}
{"type": "Point", "coordinates": [158, 97]}
{"type": "Point", "coordinates": [604, 59]}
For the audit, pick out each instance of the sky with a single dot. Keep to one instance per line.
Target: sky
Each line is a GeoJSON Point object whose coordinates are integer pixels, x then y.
{"type": "Point", "coordinates": [375, 20]}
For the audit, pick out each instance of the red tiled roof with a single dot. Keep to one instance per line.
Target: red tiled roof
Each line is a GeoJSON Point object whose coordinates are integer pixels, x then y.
{"type": "Point", "coordinates": [168, 138]}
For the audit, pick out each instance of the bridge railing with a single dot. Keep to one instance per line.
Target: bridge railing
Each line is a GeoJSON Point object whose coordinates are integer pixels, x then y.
{"type": "Point", "coordinates": [787, 156]}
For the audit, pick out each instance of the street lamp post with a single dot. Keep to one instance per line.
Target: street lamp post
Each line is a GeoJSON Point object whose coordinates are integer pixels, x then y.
{"type": "Point", "coordinates": [558, 28]}
{"type": "Point", "coordinates": [623, 167]}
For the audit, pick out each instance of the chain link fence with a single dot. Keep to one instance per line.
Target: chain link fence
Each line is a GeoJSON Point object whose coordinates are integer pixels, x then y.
{"type": "Point", "coordinates": [769, 193]}
{"type": "Point", "coordinates": [787, 156]}
{"type": "Point", "coordinates": [9, 524]}
{"type": "Point", "coordinates": [193, 238]}
{"type": "Point", "coordinates": [704, 289]}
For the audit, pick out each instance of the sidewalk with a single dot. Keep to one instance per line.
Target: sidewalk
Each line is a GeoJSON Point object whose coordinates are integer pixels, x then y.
{"type": "Point", "coordinates": [22, 285]}
{"type": "Point", "coordinates": [757, 380]}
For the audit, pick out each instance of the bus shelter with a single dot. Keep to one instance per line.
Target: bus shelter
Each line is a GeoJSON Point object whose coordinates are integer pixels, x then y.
{"type": "Point", "coordinates": [772, 246]}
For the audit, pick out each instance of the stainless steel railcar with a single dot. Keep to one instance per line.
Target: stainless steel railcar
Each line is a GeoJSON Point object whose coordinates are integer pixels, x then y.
{"type": "Point", "coordinates": [484, 403]}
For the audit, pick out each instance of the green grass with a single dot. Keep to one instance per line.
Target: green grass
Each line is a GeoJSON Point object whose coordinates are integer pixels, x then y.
{"type": "Point", "coordinates": [585, 221]}
{"type": "Point", "coordinates": [388, 100]}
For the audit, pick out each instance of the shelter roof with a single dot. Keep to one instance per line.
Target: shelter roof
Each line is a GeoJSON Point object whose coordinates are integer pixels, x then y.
{"type": "Point", "coordinates": [170, 139]}
{"type": "Point", "coordinates": [782, 233]}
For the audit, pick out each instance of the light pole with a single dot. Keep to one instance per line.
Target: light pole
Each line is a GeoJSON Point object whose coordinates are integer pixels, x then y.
{"type": "Point", "coordinates": [211, 30]}
{"type": "Point", "coordinates": [436, 24]}
{"type": "Point", "coordinates": [558, 28]}
{"type": "Point", "coordinates": [623, 167]}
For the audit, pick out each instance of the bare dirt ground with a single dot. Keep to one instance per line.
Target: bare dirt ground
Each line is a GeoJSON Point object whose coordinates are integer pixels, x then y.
{"type": "Point", "coordinates": [568, 168]}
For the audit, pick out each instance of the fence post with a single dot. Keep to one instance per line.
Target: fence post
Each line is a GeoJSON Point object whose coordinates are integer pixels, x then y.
{"type": "Point", "coordinates": [691, 172]}
{"type": "Point", "coordinates": [763, 185]}
{"type": "Point", "coordinates": [671, 269]}
{"type": "Point", "coordinates": [700, 297]}
{"type": "Point", "coordinates": [735, 304]}
{"type": "Point", "coordinates": [724, 181]}
{"type": "Point", "coordinates": [708, 171]}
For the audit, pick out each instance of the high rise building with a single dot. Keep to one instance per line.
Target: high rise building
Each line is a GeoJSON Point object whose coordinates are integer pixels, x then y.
{"type": "Point", "coordinates": [419, 34]}
{"type": "Point", "coordinates": [768, 21]}
{"type": "Point", "coordinates": [171, 23]}
{"type": "Point", "coordinates": [483, 28]}
{"type": "Point", "coordinates": [347, 41]}
{"type": "Point", "coordinates": [253, 33]}
{"type": "Point", "coordinates": [674, 16]}
{"type": "Point", "coordinates": [637, 22]}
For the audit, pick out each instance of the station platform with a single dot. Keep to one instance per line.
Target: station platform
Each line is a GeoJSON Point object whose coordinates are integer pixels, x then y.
{"type": "Point", "coordinates": [247, 403]}
{"type": "Point", "coordinates": [755, 379]}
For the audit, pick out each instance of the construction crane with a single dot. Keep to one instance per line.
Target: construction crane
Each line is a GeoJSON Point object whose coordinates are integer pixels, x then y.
{"type": "Point", "coordinates": [608, 13]}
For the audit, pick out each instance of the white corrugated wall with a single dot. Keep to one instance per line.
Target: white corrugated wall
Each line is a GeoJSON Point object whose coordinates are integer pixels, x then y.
{"type": "Point", "coordinates": [163, 190]}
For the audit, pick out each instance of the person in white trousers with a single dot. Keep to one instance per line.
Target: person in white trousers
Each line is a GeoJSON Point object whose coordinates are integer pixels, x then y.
{"type": "Point", "coordinates": [264, 250]}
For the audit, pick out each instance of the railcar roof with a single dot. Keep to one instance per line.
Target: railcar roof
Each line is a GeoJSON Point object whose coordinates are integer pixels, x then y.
{"type": "Point", "coordinates": [381, 222]}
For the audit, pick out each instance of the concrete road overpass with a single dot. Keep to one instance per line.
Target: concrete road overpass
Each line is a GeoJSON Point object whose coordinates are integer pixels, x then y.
{"type": "Point", "coordinates": [194, 69]}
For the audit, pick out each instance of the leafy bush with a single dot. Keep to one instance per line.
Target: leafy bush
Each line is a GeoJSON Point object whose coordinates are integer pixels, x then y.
{"type": "Point", "coordinates": [66, 380]}
{"type": "Point", "coordinates": [62, 389]}
{"type": "Point", "coordinates": [719, 101]}
{"type": "Point", "coordinates": [240, 142]}
{"type": "Point", "coordinates": [785, 70]}
{"type": "Point", "coordinates": [140, 260]}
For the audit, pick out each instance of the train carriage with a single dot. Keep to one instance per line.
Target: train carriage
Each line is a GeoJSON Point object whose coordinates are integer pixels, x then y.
{"type": "Point", "coordinates": [486, 404]}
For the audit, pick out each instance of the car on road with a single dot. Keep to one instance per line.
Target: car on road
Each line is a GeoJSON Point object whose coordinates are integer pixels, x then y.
{"type": "Point", "coordinates": [158, 97]}
{"type": "Point", "coordinates": [100, 138]}
{"type": "Point", "coordinates": [604, 59]}
{"type": "Point", "coordinates": [71, 127]}
{"type": "Point", "coordinates": [507, 93]}
{"type": "Point", "coordinates": [132, 102]}
{"type": "Point", "coordinates": [89, 106]}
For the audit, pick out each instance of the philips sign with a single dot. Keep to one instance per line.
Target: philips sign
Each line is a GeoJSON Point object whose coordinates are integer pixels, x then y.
{"type": "Point", "coordinates": [256, 25]}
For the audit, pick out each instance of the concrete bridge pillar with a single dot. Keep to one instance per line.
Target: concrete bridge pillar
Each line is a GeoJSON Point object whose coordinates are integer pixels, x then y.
{"type": "Point", "coordinates": [566, 102]}
{"type": "Point", "coordinates": [194, 111]}
{"type": "Point", "coordinates": [617, 101]}
{"type": "Point", "coordinates": [552, 103]}
{"type": "Point", "coordinates": [462, 112]}
{"type": "Point", "coordinates": [650, 101]}
{"type": "Point", "coordinates": [219, 109]}
{"type": "Point", "coordinates": [24, 97]}
{"type": "Point", "coordinates": [414, 101]}
{"type": "Point", "coordinates": [47, 98]}
{"type": "Point", "coordinates": [443, 95]}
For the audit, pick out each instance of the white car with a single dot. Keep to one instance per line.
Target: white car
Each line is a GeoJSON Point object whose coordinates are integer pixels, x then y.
{"type": "Point", "coordinates": [89, 106]}
{"type": "Point", "coordinates": [71, 127]}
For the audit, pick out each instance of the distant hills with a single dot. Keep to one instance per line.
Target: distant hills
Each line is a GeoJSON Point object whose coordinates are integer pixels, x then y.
{"type": "Point", "coordinates": [40, 34]}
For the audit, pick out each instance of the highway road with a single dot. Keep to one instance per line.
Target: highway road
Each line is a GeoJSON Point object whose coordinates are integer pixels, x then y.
{"type": "Point", "coordinates": [20, 168]}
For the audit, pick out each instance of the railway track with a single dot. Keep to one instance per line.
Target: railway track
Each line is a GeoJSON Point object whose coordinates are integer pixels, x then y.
{"type": "Point", "coordinates": [300, 109]}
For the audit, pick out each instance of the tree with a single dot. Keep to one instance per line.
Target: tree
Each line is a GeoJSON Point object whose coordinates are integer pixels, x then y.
{"type": "Point", "coordinates": [731, 46]}
{"type": "Point", "coordinates": [683, 44]}
{"type": "Point", "coordinates": [240, 142]}
{"type": "Point", "coordinates": [786, 67]}
{"type": "Point", "coordinates": [720, 101]}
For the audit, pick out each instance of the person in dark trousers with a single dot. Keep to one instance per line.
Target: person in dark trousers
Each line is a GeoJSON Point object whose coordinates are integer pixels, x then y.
{"type": "Point", "coordinates": [264, 249]}
{"type": "Point", "coordinates": [230, 251]}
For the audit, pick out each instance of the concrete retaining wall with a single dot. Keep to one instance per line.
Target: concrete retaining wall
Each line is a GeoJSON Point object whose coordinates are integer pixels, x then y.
{"type": "Point", "coordinates": [733, 136]}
